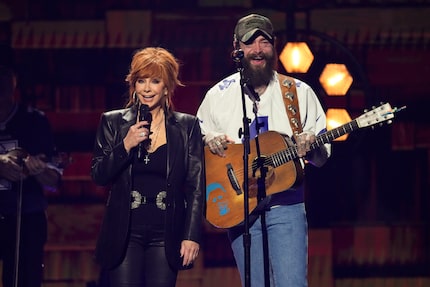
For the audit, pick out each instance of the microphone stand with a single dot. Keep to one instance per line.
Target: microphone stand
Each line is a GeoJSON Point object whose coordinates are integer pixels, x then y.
{"type": "Point", "coordinates": [237, 56]}
{"type": "Point", "coordinates": [261, 181]}
{"type": "Point", "coordinates": [261, 194]}
{"type": "Point", "coordinates": [18, 230]}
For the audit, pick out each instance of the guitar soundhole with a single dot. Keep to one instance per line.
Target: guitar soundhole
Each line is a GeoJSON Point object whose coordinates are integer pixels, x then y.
{"type": "Point", "coordinates": [253, 182]}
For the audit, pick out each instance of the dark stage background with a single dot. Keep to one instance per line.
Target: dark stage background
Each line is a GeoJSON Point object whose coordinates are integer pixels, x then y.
{"type": "Point", "coordinates": [368, 207]}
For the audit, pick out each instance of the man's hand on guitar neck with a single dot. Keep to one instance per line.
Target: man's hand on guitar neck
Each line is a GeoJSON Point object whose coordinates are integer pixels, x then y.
{"type": "Point", "coordinates": [303, 142]}
{"type": "Point", "coordinates": [218, 144]}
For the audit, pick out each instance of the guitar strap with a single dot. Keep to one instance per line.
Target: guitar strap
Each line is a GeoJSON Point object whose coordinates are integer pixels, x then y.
{"type": "Point", "coordinates": [291, 101]}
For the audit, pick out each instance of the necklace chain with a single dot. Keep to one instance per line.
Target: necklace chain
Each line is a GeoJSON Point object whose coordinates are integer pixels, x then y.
{"type": "Point", "coordinates": [156, 133]}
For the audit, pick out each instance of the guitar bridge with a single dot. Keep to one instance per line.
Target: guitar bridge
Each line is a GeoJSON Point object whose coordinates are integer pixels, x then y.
{"type": "Point", "coordinates": [233, 180]}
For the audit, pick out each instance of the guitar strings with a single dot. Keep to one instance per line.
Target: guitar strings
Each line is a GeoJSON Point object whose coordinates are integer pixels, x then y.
{"type": "Point", "coordinates": [286, 155]}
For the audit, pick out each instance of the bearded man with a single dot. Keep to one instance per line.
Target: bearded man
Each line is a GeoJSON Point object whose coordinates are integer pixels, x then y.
{"type": "Point", "coordinates": [221, 118]}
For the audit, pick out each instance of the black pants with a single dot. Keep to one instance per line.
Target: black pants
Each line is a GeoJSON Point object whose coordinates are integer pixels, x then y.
{"type": "Point", "coordinates": [145, 263]}
{"type": "Point", "coordinates": [33, 238]}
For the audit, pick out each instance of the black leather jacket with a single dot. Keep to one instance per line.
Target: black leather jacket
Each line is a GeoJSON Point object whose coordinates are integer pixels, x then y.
{"type": "Point", "coordinates": [185, 184]}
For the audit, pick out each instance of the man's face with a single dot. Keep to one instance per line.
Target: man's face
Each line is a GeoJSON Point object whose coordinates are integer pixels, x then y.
{"type": "Point", "coordinates": [259, 61]}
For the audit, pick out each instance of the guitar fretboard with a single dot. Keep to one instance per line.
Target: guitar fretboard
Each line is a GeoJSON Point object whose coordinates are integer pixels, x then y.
{"type": "Point", "coordinates": [335, 133]}
{"type": "Point", "coordinates": [281, 157]}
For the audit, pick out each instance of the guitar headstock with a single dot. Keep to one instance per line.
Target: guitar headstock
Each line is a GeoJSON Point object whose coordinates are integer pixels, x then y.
{"type": "Point", "coordinates": [378, 115]}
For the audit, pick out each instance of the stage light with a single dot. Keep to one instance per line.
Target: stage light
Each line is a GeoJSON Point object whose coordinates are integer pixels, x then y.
{"type": "Point", "coordinates": [335, 118]}
{"type": "Point", "coordinates": [336, 79]}
{"type": "Point", "coordinates": [296, 57]}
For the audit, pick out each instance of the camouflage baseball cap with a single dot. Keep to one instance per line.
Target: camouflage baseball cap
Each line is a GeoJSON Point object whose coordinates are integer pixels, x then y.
{"type": "Point", "coordinates": [247, 26]}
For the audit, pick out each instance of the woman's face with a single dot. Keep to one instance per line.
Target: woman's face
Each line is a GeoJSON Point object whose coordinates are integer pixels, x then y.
{"type": "Point", "coordinates": [150, 91]}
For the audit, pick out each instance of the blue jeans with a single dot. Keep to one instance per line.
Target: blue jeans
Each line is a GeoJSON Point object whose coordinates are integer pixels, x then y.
{"type": "Point", "coordinates": [288, 248]}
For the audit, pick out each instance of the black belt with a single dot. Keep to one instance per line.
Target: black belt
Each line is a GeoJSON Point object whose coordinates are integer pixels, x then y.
{"type": "Point", "coordinates": [138, 199]}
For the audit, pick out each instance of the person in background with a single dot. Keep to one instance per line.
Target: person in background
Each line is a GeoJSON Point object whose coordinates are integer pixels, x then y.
{"type": "Point", "coordinates": [221, 117]}
{"type": "Point", "coordinates": [26, 173]}
{"type": "Point", "coordinates": [152, 158]}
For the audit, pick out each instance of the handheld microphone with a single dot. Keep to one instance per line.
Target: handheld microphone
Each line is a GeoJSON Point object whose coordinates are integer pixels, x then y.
{"type": "Point", "coordinates": [144, 115]}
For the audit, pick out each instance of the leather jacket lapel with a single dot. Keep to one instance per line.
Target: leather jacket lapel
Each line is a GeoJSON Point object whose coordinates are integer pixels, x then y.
{"type": "Point", "coordinates": [129, 119]}
{"type": "Point", "coordinates": [174, 133]}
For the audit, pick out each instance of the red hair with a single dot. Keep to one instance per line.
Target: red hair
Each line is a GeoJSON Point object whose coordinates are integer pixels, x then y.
{"type": "Point", "coordinates": [154, 62]}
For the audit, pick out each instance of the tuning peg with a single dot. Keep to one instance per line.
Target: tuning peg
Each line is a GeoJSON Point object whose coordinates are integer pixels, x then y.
{"type": "Point", "coordinates": [395, 110]}
{"type": "Point", "coordinates": [389, 122]}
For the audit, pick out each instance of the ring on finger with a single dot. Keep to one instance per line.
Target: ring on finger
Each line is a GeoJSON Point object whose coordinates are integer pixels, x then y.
{"type": "Point", "coordinates": [142, 134]}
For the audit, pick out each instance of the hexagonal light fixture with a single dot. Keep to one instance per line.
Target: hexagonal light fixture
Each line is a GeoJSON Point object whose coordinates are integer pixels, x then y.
{"type": "Point", "coordinates": [296, 57]}
{"type": "Point", "coordinates": [336, 118]}
{"type": "Point", "coordinates": [335, 79]}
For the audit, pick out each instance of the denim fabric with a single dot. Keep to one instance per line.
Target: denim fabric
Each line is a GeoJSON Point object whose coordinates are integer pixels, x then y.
{"type": "Point", "coordinates": [288, 248]}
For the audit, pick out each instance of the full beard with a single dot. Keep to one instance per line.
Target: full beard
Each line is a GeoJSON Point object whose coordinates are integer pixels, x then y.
{"type": "Point", "coordinates": [259, 76]}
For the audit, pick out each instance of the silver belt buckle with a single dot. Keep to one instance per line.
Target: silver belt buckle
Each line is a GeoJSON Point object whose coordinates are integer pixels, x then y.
{"type": "Point", "coordinates": [138, 199]}
{"type": "Point", "coordinates": [159, 200]}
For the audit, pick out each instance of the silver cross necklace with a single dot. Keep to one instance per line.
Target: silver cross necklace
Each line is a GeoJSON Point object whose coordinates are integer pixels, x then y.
{"type": "Point", "coordinates": [153, 143]}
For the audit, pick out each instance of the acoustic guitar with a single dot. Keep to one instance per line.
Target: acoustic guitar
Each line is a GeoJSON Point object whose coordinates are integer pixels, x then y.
{"type": "Point", "coordinates": [59, 160]}
{"type": "Point", "coordinates": [225, 175]}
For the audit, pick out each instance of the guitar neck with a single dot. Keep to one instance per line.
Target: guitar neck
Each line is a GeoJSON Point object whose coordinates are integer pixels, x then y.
{"type": "Point", "coordinates": [281, 157]}
{"type": "Point", "coordinates": [333, 134]}
{"type": "Point", "coordinates": [383, 113]}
